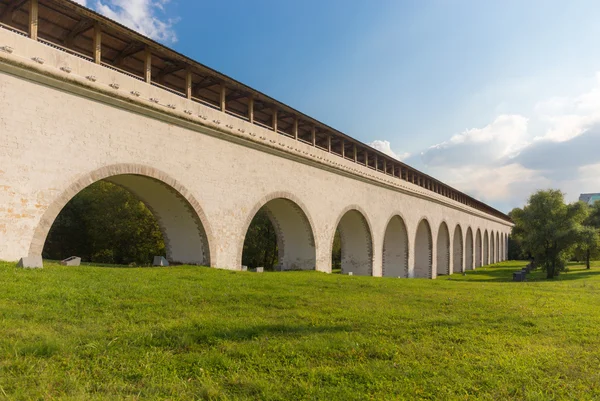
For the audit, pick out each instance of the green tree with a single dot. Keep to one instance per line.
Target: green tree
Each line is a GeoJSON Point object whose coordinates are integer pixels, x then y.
{"type": "Point", "coordinates": [549, 229]}
{"type": "Point", "coordinates": [589, 236]}
{"type": "Point", "coordinates": [260, 244]}
{"type": "Point", "coordinates": [105, 223]}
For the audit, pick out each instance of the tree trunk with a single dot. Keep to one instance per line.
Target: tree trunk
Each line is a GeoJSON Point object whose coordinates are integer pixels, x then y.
{"type": "Point", "coordinates": [550, 269]}
{"type": "Point", "coordinates": [587, 259]}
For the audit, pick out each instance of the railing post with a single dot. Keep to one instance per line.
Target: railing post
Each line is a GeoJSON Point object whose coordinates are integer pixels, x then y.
{"type": "Point", "coordinates": [314, 135]}
{"type": "Point", "coordinates": [97, 43]}
{"type": "Point", "coordinates": [148, 65]}
{"type": "Point", "coordinates": [296, 128]}
{"type": "Point", "coordinates": [33, 19]}
{"type": "Point", "coordinates": [223, 97]}
{"type": "Point", "coordinates": [188, 83]}
{"type": "Point", "coordinates": [251, 109]}
{"type": "Point", "coordinates": [274, 119]}
{"type": "Point", "coordinates": [329, 143]}
{"type": "Point", "coordinates": [355, 154]}
{"type": "Point", "coordinates": [343, 148]}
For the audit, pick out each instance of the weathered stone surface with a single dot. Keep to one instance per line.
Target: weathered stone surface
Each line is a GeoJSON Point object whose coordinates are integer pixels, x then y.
{"type": "Point", "coordinates": [31, 262]}
{"type": "Point", "coordinates": [244, 268]}
{"type": "Point", "coordinates": [160, 261]}
{"type": "Point", "coordinates": [72, 261]}
{"type": "Point", "coordinates": [258, 270]}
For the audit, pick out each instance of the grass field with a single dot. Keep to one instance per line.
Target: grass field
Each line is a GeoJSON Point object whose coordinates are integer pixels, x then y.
{"type": "Point", "coordinates": [93, 333]}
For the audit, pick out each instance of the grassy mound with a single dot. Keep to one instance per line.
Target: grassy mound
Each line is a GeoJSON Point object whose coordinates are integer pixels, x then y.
{"type": "Point", "coordinates": [196, 333]}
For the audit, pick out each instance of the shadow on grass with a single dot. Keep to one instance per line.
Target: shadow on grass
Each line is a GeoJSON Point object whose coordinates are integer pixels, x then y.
{"type": "Point", "coordinates": [186, 336]}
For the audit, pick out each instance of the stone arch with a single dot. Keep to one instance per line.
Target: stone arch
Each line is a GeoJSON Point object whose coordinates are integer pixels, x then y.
{"type": "Point", "coordinates": [457, 250]}
{"type": "Point", "coordinates": [395, 248]}
{"type": "Point", "coordinates": [469, 248]}
{"type": "Point", "coordinates": [492, 248]}
{"type": "Point", "coordinates": [293, 227]}
{"type": "Point", "coordinates": [486, 248]}
{"type": "Point", "coordinates": [443, 250]}
{"type": "Point", "coordinates": [185, 228]}
{"type": "Point", "coordinates": [423, 250]}
{"type": "Point", "coordinates": [478, 249]}
{"type": "Point", "coordinates": [357, 241]}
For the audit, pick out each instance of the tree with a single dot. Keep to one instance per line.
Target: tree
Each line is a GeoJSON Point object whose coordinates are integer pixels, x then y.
{"type": "Point", "coordinates": [549, 229]}
{"type": "Point", "coordinates": [589, 237]}
{"type": "Point", "coordinates": [260, 245]}
{"type": "Point", "coordinates": [105, 223]}
{"type": "Point", "coordinates": [587, 243]}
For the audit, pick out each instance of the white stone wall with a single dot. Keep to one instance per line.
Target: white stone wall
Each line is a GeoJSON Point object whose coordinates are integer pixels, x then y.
{"type": "Point", "coordinates": [66, 123]}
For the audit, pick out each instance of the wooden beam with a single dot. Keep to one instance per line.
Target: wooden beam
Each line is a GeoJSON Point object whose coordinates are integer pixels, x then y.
{"type": "Point", "coordinates": [169, 69]}
{"type": "Point", "coordinates": [33, 19]}
{"type": "Point", "coordinates": [188, 83]}
{"type": "Point", "coordinates": [275, 119]}
{"type": "Point", "coordinates": [313, 133]}
{"type": "Point", "coordinates": [14, 5]}
{"type": "Point", "coordinates": [205, 83]}
{"type": "Point", "coordinates": [236, 96]}
{"type": "Point", "coordinates": [223, 97]}
{"type": "Point", "coordinates": [129, 50]}
{"type": "Point", "coordinates": [296, 128]}
{"type": "Point", "coordinates": [97, 43]}
{"type": "Point", "coordinates": [251, 109]}
{"type": "Point", "coordinates": [148, 65]}
{"type": "Point", "coordinates": [82, 26]}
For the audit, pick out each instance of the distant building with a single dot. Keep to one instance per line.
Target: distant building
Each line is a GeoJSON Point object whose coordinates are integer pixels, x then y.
{"type": "Point", "coordinates": [590, 199]}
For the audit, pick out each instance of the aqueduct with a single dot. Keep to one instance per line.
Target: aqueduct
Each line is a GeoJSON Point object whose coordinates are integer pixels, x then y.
{"type": "Point", "coordinates": [84, 99]}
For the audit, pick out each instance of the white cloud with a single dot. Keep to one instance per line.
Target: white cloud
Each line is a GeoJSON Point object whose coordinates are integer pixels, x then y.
{"type": "Point", "coordinates": [82, 2]}
{"type": "Point", "coordinates": [141, 16]}
{"type": "Point", "coordinates": [504, 161]}
{"type": "Point", "coordinates": [385, 147]}
{"type": "Point", "coordinates": [504, 137]}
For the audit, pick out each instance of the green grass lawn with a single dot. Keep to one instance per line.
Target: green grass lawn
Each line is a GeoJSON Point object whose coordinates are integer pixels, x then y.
{"type": "Point", "coordinates": [93, 333]}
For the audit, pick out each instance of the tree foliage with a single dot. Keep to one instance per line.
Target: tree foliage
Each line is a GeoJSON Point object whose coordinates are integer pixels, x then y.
{"type": "Point", "coordinates": [549, 229]}
{"type": "Point", "coordinates": [260, 245]}
{"type": "Point", "coordinates": [105, 223]}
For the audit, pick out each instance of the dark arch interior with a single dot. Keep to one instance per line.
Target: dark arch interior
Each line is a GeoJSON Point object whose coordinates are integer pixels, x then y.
{"type": "Point", "coordinates": [469, 250]}
{"type": "Point", "coordinates": [395, 249]}
{"type": "Point", "coordinates": [457, 251]}
{"type": "Point", "coordinates": [423, 250]}
{"type": "Point", "coordinates": [443, 250]}
{"type": "Point", "coordinates": [279, 238]}
{"type": "Point", "coordinates": [478, 250]}
{"type": "Point", "coordinates": [355, 241]}
{"type": "Point", "coordinates": [128, 219]}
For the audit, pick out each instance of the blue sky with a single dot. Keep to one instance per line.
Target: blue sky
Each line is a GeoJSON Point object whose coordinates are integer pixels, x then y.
{"type": "Point", "coordinates": [498, 98]}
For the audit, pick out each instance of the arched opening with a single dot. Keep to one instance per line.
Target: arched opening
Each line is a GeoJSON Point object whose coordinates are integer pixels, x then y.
{"type": "Point", "coordinates": [443, 250]}
{"type": "Point", "coordinates": [279, 237]}
{"type": "Point", "coordinates": [153, 201]}
{"type": "Point", "coordinates": [395, 249]}
{"type": "Point", "coordinates": [469, 250]}
{"type": "Point", "coordinates": [498, 246]}
{"type": "Point", "coordinates": [486, 249]}
{"type": "Point", "coordinates": [356, 244]}
{"type": "Point", "coordinates": [423, 250]}
{"type": "Point", "coordinates": [457, 250]}
{"type": "Point", "coordinates": [478, 249]}
{"type": "Point", "coordinates": [492, 248]}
